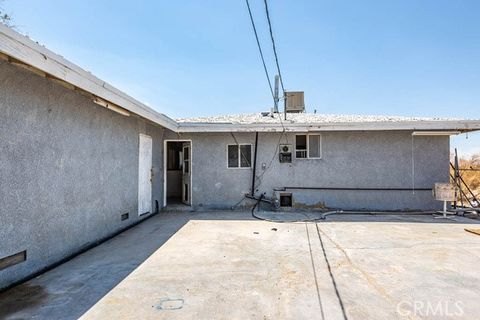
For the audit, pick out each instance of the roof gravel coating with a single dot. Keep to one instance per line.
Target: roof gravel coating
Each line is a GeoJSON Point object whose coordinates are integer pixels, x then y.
{"type": "Point", "coordinates": [306, 118]}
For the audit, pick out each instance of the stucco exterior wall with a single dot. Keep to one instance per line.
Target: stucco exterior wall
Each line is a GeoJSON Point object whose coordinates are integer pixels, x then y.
{"type": "Point", "coordinates": [349, 160]}
{"type": "Point", "coordinates": [68, 170]}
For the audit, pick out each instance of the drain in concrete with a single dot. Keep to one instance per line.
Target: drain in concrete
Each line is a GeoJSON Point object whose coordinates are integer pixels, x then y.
{"type": "Point", "coordinates": [169, 304]}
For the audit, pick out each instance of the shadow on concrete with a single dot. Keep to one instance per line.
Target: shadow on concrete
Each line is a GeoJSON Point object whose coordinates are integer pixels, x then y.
{"type": "Point", "coordinates": [399, 218]}
{"type": "Point", "coordinates": [71, 289]}
{"type": "Point", "coordinates": [321, 217]}
{"type": "Point", "coordinates": [24, 295]}
{"type": "Point", "coordinates": [332, 277]}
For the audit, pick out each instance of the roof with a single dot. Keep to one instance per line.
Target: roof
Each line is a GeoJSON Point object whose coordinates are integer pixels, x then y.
{"type": "Point", "coordinates": [30, 53]}
{"type": "Point", "coordinates": [305, 118]}
{"type": "Point", "coordinates": [33, 54]}
{"type": "Point", "coordinates": [324, 122]}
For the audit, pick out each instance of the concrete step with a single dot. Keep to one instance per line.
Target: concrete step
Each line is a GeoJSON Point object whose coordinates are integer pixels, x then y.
{"type": "Point", "coordinates": [177, 207]}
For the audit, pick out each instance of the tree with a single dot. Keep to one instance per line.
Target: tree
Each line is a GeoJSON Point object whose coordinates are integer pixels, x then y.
{"type": "Point", "coordinates": [5, 18]}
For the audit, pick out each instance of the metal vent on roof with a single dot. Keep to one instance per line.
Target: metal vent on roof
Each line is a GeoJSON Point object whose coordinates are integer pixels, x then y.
{"type": "Point", "coordinates": [294, 102]}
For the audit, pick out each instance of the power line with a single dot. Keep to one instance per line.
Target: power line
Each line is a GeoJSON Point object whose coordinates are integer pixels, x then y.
{"type": "Point", "coordinates": [261, 52]}
{"type": "Point", "coordinates": [263, 59]}
{"type": "Point", "coordinates": [273, 44]}
{"type": "Point", "coordinates": [260, 177]}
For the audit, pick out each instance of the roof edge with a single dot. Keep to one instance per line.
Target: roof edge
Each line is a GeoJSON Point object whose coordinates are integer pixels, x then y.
{"type": "Point", "coordinates": [29, 52]}
{"type": "Point", "coordinates": [456, 125]}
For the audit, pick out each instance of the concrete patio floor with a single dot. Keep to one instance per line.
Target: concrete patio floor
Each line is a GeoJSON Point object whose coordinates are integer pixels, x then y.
{"type": "Point", "coordinates": [226, 265]}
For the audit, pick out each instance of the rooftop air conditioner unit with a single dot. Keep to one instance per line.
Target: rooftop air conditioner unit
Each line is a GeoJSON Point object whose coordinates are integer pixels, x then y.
{"type": "Point", "coordinates": [294, 102]}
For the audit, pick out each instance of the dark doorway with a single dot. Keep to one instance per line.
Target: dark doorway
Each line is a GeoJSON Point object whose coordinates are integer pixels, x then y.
{"type": "Point", "coordinates": [174, 172]}
{"type": "Point", "coordinates": [178, 166]}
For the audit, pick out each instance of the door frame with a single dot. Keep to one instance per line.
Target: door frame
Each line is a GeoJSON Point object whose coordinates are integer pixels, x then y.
{"type": "Point", "coordinates": [150, 184]}
{"type": "Point", "coordinates": [165, 151]}
{"type": "Point", "coordinates": [186, 196]}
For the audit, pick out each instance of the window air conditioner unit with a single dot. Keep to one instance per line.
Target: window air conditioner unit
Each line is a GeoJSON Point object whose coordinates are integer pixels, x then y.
{"type": "Point", "coordinates": [285, 153]}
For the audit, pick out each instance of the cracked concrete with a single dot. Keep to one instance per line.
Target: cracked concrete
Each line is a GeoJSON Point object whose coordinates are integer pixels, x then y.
{"type": "Point", "coordinates": [226, 265]}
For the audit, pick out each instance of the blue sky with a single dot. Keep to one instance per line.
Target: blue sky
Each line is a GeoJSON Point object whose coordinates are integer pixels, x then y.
{"type": "Point", "coordinates": [188, 58]}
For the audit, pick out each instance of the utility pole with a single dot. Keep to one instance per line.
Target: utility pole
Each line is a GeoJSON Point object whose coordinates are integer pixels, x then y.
{"type": "Point", "coordinates": [275, 98]}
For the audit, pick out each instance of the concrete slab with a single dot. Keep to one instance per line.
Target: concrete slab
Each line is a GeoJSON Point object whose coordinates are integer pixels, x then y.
{"type": "Point", "coordinates": [226, 265]}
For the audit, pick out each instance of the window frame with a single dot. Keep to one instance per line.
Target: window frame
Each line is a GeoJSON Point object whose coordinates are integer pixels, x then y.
{"type": "Point", "coordinates": [239, 155]}
{"type": "Point", "coordinates": [307, 135]}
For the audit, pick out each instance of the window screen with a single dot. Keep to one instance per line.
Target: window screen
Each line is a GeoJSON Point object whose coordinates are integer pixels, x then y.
{"type": "Point", "coordinates": [233, 156]}
{"type": "Point", "coordinates": [301, 146]}
{"type": "Point", "coordinates": [245, 155]}
{"type": "Point", "coordinates": [314, 146]}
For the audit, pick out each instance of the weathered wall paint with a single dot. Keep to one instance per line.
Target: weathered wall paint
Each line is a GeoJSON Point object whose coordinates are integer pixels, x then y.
{"type": "Point", "coordinates": [68, 170]}
{"type": "Point", "coordinates": [350, 159]}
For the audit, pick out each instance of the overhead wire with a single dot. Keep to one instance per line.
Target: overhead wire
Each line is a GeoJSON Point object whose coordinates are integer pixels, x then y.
{"type": "Point", "coordinates": [276, 59]}
{"type": "Point", "coordinates": [260, 50]}
{"type": "Point", "coordinates": [283, 127]}
{"type": "Point", "coordinates": [267, 167]}
{"type": "Point", "coordinates": [268, 78]}
{"type": "Point", "coordinates": [273, 45]}
{"type": "Point", "coordinates": [240, 150]}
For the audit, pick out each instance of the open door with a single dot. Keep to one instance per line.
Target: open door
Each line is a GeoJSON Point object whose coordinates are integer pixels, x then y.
{"type": "Point", "coordinates": [144, 174]}
{"type": "Point", "coordinates": [186, 173]}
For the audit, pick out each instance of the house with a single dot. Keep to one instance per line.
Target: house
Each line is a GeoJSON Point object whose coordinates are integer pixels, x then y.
{"type": "Point", "coordinates": [80, 160]}
{"type": "Point", "coordinates": [333, 161]}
